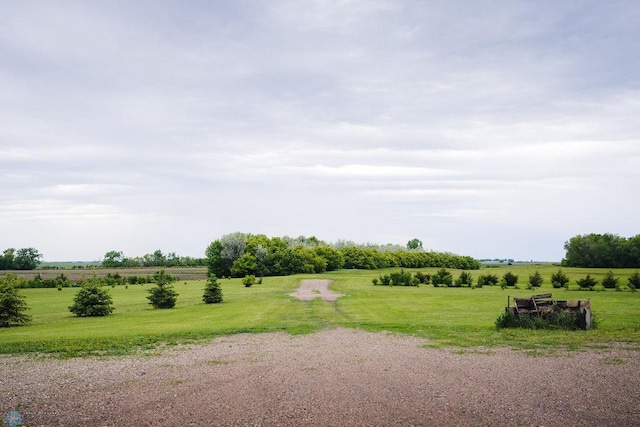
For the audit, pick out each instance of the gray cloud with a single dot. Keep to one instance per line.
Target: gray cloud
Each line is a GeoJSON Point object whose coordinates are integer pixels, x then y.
{"type": "Point", "coordinates": [484, 128]}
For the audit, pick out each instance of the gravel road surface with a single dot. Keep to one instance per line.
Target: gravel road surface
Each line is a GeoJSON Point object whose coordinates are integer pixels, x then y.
{"type": "Point", "coordinates": [335, 377]}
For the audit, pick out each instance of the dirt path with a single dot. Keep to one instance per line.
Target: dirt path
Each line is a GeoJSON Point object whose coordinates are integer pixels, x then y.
{"type": "Point", "coordinates": [310, 289]}
{"type": "Point", "coordinates": [336, 377]}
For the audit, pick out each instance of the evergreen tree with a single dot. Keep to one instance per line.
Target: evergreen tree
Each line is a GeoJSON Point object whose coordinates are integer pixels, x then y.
{"type": "Point", "coordinates": [212, 292]}
{"type": "Point", "coordinates": [162, 295]}
{"type": "Point", "coordinates": [92, 300]}
{"type": "Point", "coordinates": [559, 279]}
{"type": "Point", "coordinates": [535, 280]}
{"type": "Point", "coordinates": [12, 304]}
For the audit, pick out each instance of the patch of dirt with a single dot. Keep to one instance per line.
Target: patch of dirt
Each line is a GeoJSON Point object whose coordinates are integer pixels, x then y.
{"type": "Point", "coordinates": [336, 377]}
{"type": "Point", "coordinates": [316, 288]}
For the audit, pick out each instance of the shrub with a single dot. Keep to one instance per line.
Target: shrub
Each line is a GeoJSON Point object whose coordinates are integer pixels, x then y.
{"type": "Point", "coordinates": [535, 280]}
{"type": "Point", "coordinates": [609, 281]}
{"type": "Point", "coordinates": [510, 279]}
{"type": "Point", "coordinates": [442, 278]}
{"type": "Point", "coordinates": [212, 291]}
{"type": "Point", "coordinates": [403, 278]}
{"type": "Point", "coordinates": [249, 280]}
{"type": "Point", "coordinates": [634, 281]}
{"type": "Point", "coordinates": [91, 301]}
{"type": "Point", "coordinates": [559, 280]}
{"type": "Point", "coordinates": [587, 282]}
{"type": "Point", "coordinates": [487, 280]}
{"type": "Point", "coordinates": [162, 295]}
{"type": "Point", "coordinates": [557, 318]}
{"type": "Point", "coordinates": [465, 279]}
{"type": "Point", "coordinates": [12, 304]}
{"type": "Point", "coordinates": [424, 279]}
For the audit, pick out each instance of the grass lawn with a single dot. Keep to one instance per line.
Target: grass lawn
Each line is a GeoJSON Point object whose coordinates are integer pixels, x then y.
{"type": "Point", "coordinates": [446, 316]}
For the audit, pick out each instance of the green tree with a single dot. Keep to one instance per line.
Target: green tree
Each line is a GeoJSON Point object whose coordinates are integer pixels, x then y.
{"type": "Point", "coordinates": [246, 264]}
{"type": "Point", "coordinates": [609, 281]}
{"type": "Point", "coordinates": [414, 244]}
{"type": "Point", "coordinates": [212, 291]}
{"type": "Point", "coordinates": [7, 258]}
{"type": "Point", "coordinates": [510, 279]}
{"type": "Point", "coordinates": [535, 280]}
{"type": "Point", "coordinates": [332, 256]}
{"type": "Point", "coordinates": [602, 251]}
{"type": "Point", "coordinates": [487, 280]}
{"type": "Point", "coordinates": [249, 281]}
{"type": "Point", "coordinates": [442, 278]}
{"type": "Point", "coordinates": [587, 282]}
{"type": "Point", "coordinates": [91, 300]}
{"type": "Point", "coordinates": [27, 259]}
{"type": "Point", "coordinates": [12, 304]}
{"type": "Point", "coordinates": [465, 279]}
{"type": "Point", "coordinates": [559, 279]}
{"type": "Point", "coordinates": [113, 259]}
{"type": "Point", "coordinates": [162, 295]}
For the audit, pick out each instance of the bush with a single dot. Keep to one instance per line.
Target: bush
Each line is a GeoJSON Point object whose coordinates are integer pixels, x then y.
{"type": "Point", "coordinates": [385, 280]}
{"type": "Point", "coordinates": [162, 295]}
{"type": "Point", "coordinates": [212, 291]}
{"type": "Point", "coordinates": [465, 279]}
{"type": "Point", "coordinates": [249, 280]}
{"type": "Point", "coordinates": [487, 280]}
{"type": "Point", "coordinates": [559, 280]}
{"type": "Point", "coordinates": [557, 318]}
{"type": "Point", "coordinates": [12, 304]}
{"type": "Point", "coordinates": [610, 281]}
{"type": "Point", "coordinates": [535, 280]}
{"type": "Point", "coordinates": [587, 282]}
{"type": "Point", "coordinates": [510, 279]}
{"type": "Point", "coordinates": [442, 278]}
{"type": "Point", "coordinates": [91, 301]}
{"type": "Point", "coordinates": [403, 278]}
{"type": "Point", "coordinates": [424, 279]}
{"type": "Point", "coordinates": [634, 281]}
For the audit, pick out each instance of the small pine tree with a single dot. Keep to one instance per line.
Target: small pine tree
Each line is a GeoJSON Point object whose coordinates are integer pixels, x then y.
{"type": "Point", "coordinates": [535, 280]}
{"type": "Point", "coordinates": [609, 281]}
{"type": "Point", "coordinates": [90, 301]}
{"type": "Point", "coordinates": [559, 279]}
{"type": "Point", "coordinates": [465, 279]}
{"type": "Point", "coordinates": [587, 282]}
{"type": "Point", "coordinates": [212, 292]}
{"type": "Point", "coordinates": [510, 279]}
{"type": "Point", "coordinates": [487, 280]}
{"type": "Point", "coordinates": [12, 304]}
{"type": "Point", "coordinates": [162, 295]}
{"type": "Point", "coordinates": [442, 278]}
{"type": "Point", "coordinates": [634, 281]}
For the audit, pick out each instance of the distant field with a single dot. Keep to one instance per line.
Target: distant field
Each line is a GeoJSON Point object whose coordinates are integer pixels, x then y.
{"type": "Point", "coordinates": [446, 316]}
{"type": "Point", "coordinates": [75, 274]}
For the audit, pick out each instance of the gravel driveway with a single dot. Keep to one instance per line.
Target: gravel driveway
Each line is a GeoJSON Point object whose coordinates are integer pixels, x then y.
{"type": "Point", "coordinates": [336, 377]}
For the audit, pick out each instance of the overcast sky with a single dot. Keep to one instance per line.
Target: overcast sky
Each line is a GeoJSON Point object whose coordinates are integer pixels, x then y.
{"type": "Point", "coordinates": [483, 128]}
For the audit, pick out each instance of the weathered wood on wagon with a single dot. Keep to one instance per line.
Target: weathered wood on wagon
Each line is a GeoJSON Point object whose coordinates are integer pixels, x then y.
{"type": "Point", "coordinates": [539, 305]}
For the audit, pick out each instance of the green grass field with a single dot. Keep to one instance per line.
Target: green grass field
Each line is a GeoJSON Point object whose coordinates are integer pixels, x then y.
{"type": "Point", "coordinates": [459, 317]}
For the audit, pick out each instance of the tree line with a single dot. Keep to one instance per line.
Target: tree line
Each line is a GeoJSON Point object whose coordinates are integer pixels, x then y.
{"type": "Point", "coordinates": [21, 259]}
{"type": "Point", "coordinates": [242, 254]}
{"type": "Point", "coordinates": [602, 251]}
{"type": "Point", "coordinates": [116, 259]}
